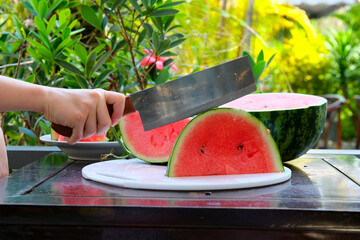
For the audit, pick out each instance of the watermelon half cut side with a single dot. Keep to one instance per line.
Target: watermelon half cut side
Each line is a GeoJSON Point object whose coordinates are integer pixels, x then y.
{"type": "Point", "coordinates": [224, 141]}
{"type": "Point", "coordinates": [154, 145]}
{"type": "Point", "coordinates": [295, 120]}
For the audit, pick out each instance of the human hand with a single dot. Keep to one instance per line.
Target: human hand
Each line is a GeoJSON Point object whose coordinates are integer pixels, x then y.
{"type": "Point", "coordinates": [85, 111]}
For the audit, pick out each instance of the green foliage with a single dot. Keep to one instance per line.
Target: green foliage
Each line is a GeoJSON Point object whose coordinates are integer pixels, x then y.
{"type": "Point", "coordinates": [344, 54]}
{"type": "Point", "coordinates": [84, 44]}
{"type": "Point", "coordinates": [260, 65]}
{"type": "Point", "coordinates": [301, 66]}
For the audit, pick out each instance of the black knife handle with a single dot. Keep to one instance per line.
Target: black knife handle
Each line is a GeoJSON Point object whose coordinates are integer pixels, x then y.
{"type": "Point", "coordinates": [67, 131]}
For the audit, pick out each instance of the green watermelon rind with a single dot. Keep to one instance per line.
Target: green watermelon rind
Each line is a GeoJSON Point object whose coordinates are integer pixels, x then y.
{"type": "Point", "coordinates": [299, 130]}
{"type": "Point", "coordinates": [128, 145]}
{"type": "Point", "coordinates": [278, 165]}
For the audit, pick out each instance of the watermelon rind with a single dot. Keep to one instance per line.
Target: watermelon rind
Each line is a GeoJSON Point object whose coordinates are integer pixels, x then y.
{"type": "Point", "coordinates": [278, 165]}
{"type": "Point", "coordinates": [295, 130]}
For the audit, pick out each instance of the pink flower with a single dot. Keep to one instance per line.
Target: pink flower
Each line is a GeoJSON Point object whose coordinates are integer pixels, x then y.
{"type": "Point", "coordinates": [159, 61]}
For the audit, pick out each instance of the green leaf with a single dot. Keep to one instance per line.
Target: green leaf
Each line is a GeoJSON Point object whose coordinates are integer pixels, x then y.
{"type": "Point", "coordinates": [163, 12]}
{"type": "Point", "coordinates": [104, 22]}
{"type": "Point", "coordinates": [158, 23]}
{"type": "Point", "coordinates": [174, 27]}
{"type": "Point", "coordinates": [57, 42]}
{"type": "Point", "coordinates": [115, 28]}
{"type": "Point", "coordinates": [57, 5]}
{"type": "Point", "coordinates": [30, 79]}
{"type": "Point", "coordinates": [77, 31]}
{"type": "Point", "coordinates": [149, 29]}
{"type": "Point", "coordinates": [66, 33]}
{"type": "Point", "coordinates": [81, 81]}
{"type": "Point", "coordinates": [102, 77]}
{"type": "Point", "coordinates": [38, 120]}
{"type": "Point", "coordinates": [251, 59]}
{"type": "Point", "coordinates": [164, 45]}
{"type": "Point", "coordinates": [136, 6]}
{"type": "Point", "coordinates": [45, 40]}
{"type": "Point", "coordinates": [168, 22]}
{"type": "Point", "coordinates": [81, 52]}
{"type": "Point", "coordinates": [73, 24]}
{"type": "Point", "coordinates": [172, 4]}
{"type": "Point", "coordinates": [64, 16]}
{"type": "Point", "coordinates": [117, 3]}
{"type": "Point", "coordinates": [19, 28]}
{"type": "Point", "coordinates": [163, 76]}
{"type": "Point", "coordinates": [46, 53]}
{"type": "Point", "coordinates": [168, 54]}
{"type": "Point", "coordinates": [259, 69]}
{"type": "Point", "coordinates": [40, 25]}
{"type": "Point", "coordinates": [50, 25]}
{"type": "Point", "coordinates": [142, 36]}
{"type": "Point", "coordinates": [176, 42]}
{"type": "Point", "coordinates": [74, 41]}
{"type": "Point", "coordinates": [103, 2]}
{"type": "Point", "coordinates": [42, 9]}
{"type": "Point", "coordinates": [35, 43]}
{"type": "Point", "coordinates": [145, 3]}
{"type": "Point", "coordinates": [30, 8]}
{"type": "Point", "coordinates": [34, 54]}
{"type": "Point", "coordinates": [91, 17]}
{"type": "Point", "coordinates": [168, 62]}
{"type": "Point", "coordinates": [90, 63]}
{"type": "Point", "coordinates": [27, 132]}
{"type": "Point", "coordinates": [156, 41]}
{"type": "Point", "coordinates": [69, 67]}
{"type": "Point", "coordinates": [270, 60]}
{"type": "Point", "coordinates": [101, 61]}
{"type": "Point", "coordinates": [119, 45]}
{"type": "Point", "coordinates": [62, 45]}
{"type": "Point", "coordinates": [59, 29]}
{"type": "Point", "coordinates": [260, 56]}
{"type": "Point", "coordinates": [98, 48]}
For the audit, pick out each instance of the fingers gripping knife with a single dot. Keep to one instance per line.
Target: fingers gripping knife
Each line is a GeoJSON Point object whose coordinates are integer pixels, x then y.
{"type": "Point", "coordinates": [187, 96]}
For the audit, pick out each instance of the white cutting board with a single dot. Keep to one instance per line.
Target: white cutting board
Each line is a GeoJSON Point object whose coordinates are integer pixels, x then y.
{"type": "Point", "coordinates": [138, 174]}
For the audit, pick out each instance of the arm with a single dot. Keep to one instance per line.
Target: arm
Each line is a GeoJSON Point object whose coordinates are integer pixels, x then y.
{"type": "Point", "coordinates": [83, 110]}
{"type": "Point", "coordinates": [4, 166]}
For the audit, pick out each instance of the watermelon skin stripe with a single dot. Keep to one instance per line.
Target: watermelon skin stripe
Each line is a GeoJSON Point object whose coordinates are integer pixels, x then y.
{"type": "Point", "coordinates": [299, 130]}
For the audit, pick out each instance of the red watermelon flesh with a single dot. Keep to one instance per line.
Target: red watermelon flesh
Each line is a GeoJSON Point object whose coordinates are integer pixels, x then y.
{"type": "Point", "coordinates": [93, 138]}
{"type": "Point", "coordinates": [274, 101]}
{"type": "Point", "coordinates": [154, 145]}
{"type": "Point", "coordinates": [224, 141]}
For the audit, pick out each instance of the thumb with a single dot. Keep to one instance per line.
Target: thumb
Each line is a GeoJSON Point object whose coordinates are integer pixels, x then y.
{"type": "Point", "coordinates": [117, 100]}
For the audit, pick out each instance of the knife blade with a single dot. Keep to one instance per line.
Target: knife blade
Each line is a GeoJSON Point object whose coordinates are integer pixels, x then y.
{"type": "Point", "coordinates": [187, 96]}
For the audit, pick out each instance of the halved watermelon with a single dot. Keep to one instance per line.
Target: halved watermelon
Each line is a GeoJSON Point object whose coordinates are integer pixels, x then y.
{"type": "Point", "coordinates": [295, 120]}
{"type": "Point", "coordinates": [224, 141]}
{"type": "Point", "coordinates": [154, 145]}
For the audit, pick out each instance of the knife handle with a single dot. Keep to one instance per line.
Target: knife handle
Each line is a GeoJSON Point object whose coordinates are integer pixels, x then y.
{"type": "Point", "coordinates": [67, 131]}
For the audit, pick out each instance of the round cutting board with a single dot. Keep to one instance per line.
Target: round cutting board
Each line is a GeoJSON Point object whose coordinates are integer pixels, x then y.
{"type": "Point", "coordinates": [138, 174]}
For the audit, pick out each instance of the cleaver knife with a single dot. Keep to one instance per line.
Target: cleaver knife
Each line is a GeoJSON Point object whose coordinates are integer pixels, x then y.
{"type": "Point", "coordinates": [187, 96]}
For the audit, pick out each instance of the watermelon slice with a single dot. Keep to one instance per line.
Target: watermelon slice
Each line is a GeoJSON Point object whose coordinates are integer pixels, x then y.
{"type": "Point", "coordinates": [152, 146]}
{"type": "Point", "coordinates": [295, 120]}
{"type": "Point", "coordinates": [224, 141]}
{"type": "Point", "coordinates": [93, 138]}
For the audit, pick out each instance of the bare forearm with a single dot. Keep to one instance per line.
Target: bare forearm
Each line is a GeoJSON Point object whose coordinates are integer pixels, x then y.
{"type": "Point", "coordinates": [17, 95]}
